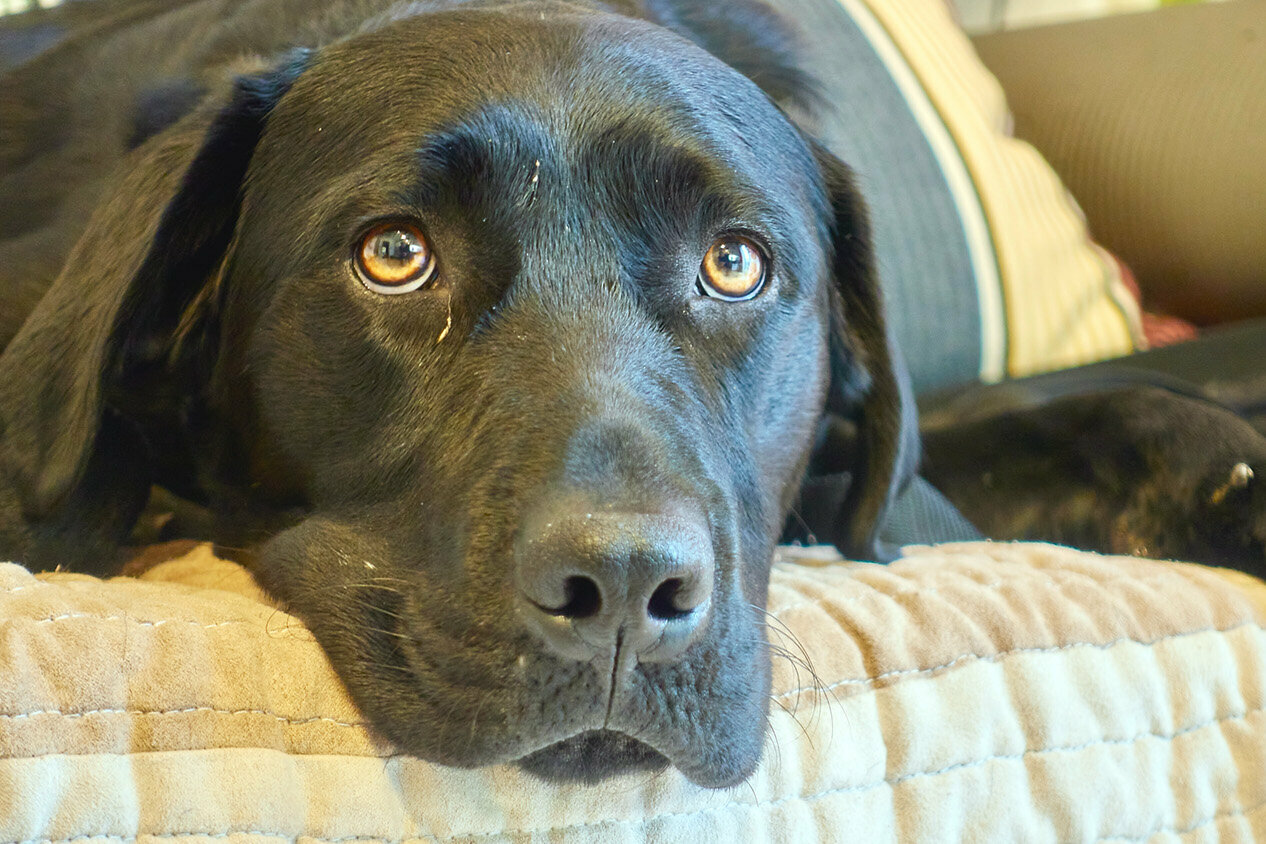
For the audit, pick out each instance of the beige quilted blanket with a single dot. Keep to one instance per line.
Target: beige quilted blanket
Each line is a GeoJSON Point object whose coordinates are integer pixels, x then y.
{"type": "Point", "coordinates": [985, 692]}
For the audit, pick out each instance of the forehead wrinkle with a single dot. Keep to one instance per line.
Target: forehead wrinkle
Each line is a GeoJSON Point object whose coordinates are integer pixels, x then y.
{"type": "Point", "coordinates": [661, 189]}
{"type": "Point", "coordinates": [689, 120]}
{"type": "Point", "coordinates": [415, 75]}
{"type": "Point", "coordinates": [494, 154]}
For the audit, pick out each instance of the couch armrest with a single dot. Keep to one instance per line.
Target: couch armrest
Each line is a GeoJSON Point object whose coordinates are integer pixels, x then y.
{"type": "Point", "coordinates": [1157, 123]}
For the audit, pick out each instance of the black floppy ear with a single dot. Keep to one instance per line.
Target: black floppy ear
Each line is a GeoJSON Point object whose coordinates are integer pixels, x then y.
{"type": "Point", "coordinates": [868, 447]}
{"type": "Point", "coordinates": [118, 342]}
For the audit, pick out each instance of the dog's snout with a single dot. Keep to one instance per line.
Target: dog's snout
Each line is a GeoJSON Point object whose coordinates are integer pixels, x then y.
{"type": "Point", "coordinates": [591, 580]}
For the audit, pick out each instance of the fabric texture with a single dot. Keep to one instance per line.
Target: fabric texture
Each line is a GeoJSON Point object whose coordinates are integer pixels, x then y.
{"type": "Point", "coordinates": [986, 261]}
{"type": "Point", "coordinates": [987, 692]}
{"type": "Point", "coordinates": [922, 515]}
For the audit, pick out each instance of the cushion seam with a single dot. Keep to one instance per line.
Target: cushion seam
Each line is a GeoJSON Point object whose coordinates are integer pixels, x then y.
{"type": "Point", "coordinates": [737, 804]}
{"type": "Point", "coordinates": [995, 657]}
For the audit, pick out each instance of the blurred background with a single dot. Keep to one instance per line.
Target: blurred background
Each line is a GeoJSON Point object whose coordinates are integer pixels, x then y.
{"type": "Point", "coordinates": [976, 16]}
{"type": "Point", "coordinates": [979, 16]}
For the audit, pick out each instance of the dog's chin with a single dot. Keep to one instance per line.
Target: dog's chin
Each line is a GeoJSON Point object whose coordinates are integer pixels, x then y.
{"type": "Point", "coordinates": [591, 757]}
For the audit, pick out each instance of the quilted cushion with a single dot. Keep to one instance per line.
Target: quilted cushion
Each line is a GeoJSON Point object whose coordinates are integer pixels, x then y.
{"type": "Point", "coordinates": [976, 691]}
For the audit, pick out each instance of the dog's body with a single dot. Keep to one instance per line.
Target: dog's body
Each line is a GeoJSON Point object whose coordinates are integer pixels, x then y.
{"type": "Point", "coordinates": [1108, 458]}
{"type": "Point", "coordinates": [527, 508]}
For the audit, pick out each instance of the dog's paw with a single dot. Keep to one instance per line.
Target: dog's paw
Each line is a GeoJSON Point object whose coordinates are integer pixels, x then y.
{"type": "Point", "coordinates": [1230, 526]}
{"type": "Point", "coordinates": [1204, 505]}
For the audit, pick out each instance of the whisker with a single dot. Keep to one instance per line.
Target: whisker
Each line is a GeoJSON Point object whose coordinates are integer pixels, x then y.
{"type": "Point", "coordinates": [810, 537]}
{"type": "Point", "coordinates": [474, 721]}
{"type": "Point", "coordinates": [798, 659]}
{"type": "Point", "coordinates": [786, 631]}
{"type": "Point", "coordinates": [387, 666]}
{"type": "Point", "coordinates": [796, 719]}
{"type": "Point", "coordinates": [384, 632]}
{"type": "Point", "coordinates": [776, 628]}
{"type": "Point", "coordinates": [378, 610]}
{"type": "Point", "coordinates": [776, 624]}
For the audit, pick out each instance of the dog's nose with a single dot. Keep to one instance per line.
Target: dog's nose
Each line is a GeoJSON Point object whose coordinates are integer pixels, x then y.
{"type": "Point", "coordinates": [591, 580]}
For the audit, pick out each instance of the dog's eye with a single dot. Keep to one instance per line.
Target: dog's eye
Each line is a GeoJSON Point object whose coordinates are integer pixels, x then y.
{"type": "Point", "coordinates": [394, 258]}
{"type": "Point", "coordinates": [733, 270]}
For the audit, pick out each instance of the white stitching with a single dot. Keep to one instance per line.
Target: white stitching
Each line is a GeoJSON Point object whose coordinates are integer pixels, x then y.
{"type": "Point", "coordinates": [140, 622]}
{"type": "Point", "coordinates": [967, 657]}
{"type": "Point", "coordinates": [1073, 748]}
{"type": "Point", "coordinates": [1036, 578]}
{"type": "Point", "coordinates": [16, 716]}
{"type": "Point", "coordinates": [1187, 830]}
{"type": "Point", "coordinates": [737, 804]}
{"type": "Point", "coordinates": [11, 589]}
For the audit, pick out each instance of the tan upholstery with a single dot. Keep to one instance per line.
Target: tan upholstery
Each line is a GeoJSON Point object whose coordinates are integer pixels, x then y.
{"type": "Point", "coordinates": [985, 692]}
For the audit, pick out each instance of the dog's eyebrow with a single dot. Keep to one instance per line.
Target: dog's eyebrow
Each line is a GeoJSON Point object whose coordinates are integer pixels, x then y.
{"type": "Point", "coordinates": [655, 174]}
{"type": "Point", "coordinates": [648, 156]}
{"type": "Point", "coordinates": [451, 161]}
{"type": "Point", "coordinates": [673, 171]}
{"type": "Point", "coordinates": [482, 156]}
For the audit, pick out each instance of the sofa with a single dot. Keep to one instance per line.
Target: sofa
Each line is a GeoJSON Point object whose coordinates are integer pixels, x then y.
{"type": "Point", "coordinates": [985, 691]}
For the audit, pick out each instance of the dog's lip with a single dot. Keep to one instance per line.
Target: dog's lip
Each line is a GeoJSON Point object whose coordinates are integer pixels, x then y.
{"type": "Point", "coordinates": [592, 755]}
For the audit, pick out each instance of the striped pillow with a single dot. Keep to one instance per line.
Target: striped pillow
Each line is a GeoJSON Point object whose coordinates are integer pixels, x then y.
{"type": "Point", "coordinates": [986, 260]}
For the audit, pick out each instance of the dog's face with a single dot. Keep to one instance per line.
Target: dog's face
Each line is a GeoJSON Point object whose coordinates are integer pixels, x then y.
{"type": "Point", "coordinates": [510, 340]}
{"type": "Point", "coordinates": [541, 490]}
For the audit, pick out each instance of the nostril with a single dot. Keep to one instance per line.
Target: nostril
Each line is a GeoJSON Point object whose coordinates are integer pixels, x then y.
{"type": "Point", "coordinates": [587, 581]}
{"type": "Point", "coordinates": [581, 598]}
{"type": "Point", "coordinates": [666, 600]}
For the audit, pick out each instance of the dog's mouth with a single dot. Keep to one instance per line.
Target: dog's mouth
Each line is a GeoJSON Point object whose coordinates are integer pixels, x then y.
{"type": "Point", "coordinates": [467, 686]}
{"type": "Point", "coordinates": [556, 699]}
{"type": "Point", "coordinates": [592, 756]}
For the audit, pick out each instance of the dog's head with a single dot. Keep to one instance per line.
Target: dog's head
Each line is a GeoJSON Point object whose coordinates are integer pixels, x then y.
{"type": "Point", "coordinates": [502, 337]}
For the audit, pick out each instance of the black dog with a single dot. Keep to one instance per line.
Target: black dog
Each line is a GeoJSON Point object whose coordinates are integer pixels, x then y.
{"type": "Point", "coordinates": [495, 337]}
{"type": "Point", "coordinates": [1110, 457]}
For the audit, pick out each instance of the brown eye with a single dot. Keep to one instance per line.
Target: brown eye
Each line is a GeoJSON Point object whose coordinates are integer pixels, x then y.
{"type": "Point", "coordinates": [733, 270]}
{"type": "Point", "coordinates": [394, 258]}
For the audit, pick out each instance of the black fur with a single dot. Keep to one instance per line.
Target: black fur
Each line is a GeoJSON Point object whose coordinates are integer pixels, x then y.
{"type": "Point", "coordinates": [374, 458]}
{"type": "Point", "coordinates": [1110, 458]}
